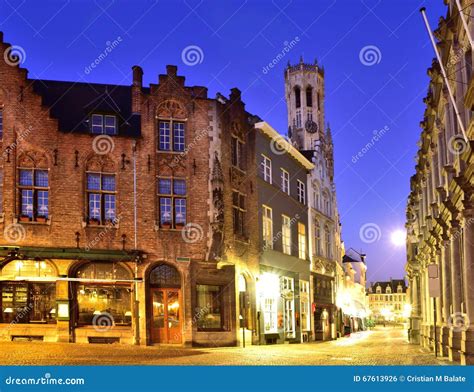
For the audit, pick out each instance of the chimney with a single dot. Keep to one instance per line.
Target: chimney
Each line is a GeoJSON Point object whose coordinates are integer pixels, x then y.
{"type": "Point", "coordinates": [137, 88]}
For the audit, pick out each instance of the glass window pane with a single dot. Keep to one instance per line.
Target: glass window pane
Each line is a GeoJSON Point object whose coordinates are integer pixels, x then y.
{"type": "Point", "coordinates": [108, 183]}
{"type": "Point", "coordinates": [158, 309]}
{"type": "Point", "coordinates": [97, 123]}
{"type": "Point", "coordinates": [164, 186]}
{"type": "Point", "coordinates": [165, 210]}
{"type": "Point", "coordinates": [108, 302]}
{"type": "Point", "coordinates": [179, 187]}
{"type": "Point", "coordinates": [165, 136]}
{"type": "Point", "coordinates": [43, 197]}
{"type": "Point", "coordinates": [110, 125]}
{"type": "Point", "coordinates": [93, 181]}
{"type": "Point", "coordinates": [27, 202]}
{"type": "Point", "coordinates": [41, 178]}
{"type": "Point", "coordinates": [209, 307]}
{"type": "Point", "coordinates": [109, 201]}
{"type": "Point", "coordinates": [178, 137]}
{"type": "Point", "coordinates": [180, 211]}
{"type": "Point", "coordinates": [26, 177]}
{"type": "Point", "coordinates": [94, 206]}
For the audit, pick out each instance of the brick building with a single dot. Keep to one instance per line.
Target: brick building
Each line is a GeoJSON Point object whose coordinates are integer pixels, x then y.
{"type": "Point", "coordinates": [119, 211]}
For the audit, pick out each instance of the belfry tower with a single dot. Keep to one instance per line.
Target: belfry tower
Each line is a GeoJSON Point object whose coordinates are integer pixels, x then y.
{"type": "Point", "coordinates": [304, 92]}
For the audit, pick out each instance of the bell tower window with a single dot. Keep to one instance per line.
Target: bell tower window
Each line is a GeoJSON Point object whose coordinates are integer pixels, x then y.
{"type": "Point", "coordinates": [309, 96]}
{"type": "Point", "coordinates": [297, 97]}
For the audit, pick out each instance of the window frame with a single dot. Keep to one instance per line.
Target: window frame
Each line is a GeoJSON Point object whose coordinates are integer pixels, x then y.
{"type": "Point", "coordinates": [240, 211]}
{"type": "Point", "coordinates": [172, 136]}
{"type": "Point", "coordinates": [174, 198]}
{"type": "Point", "coordinates": [286, 234]}
{"type": "Point", "coordinates": [267, 227]}
{"type": "Point", "coordinates": [302, 241]}
{"type": "Point", "coordinates": [102, 195]}
{"type": "Point", "coordinates": [301, 191]}
{"type": "Point", "coordinates": [237, 153]}
{"type": "Point", "coordinates": [266, 168]}
{"type": "Point", "coordinates": [103, 126]}
{"type": "Point", "coordinates": [35, 191]}
{"type": "Point", "coordinates": [220, 295]}
{"type": "Point", "coordinates": [285, 179]}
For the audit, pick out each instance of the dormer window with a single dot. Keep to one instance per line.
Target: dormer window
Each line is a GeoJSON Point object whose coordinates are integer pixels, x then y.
{"type": "Point", "coordinates": [388, 290]}
{"type": "Point", "coordinates": [378, 290]}
{"type": "Point", "coordinates": [103, 124]}
{"type": "Point", "coordinates": [399, 289]}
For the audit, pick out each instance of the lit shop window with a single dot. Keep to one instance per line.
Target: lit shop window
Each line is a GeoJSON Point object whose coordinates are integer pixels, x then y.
{"type": "Point", "coordinates": [210, 307]}
{"type": "Point", "coordinates": [28, 302]}
{"type": "Point", "coordinates": [269, 287]}
{"type": "Point", "coordinates": [109, 302]}
{"type": "Point", "coordinates": [288, 292]}
{"type": "Point", "coordinates": [305, 305]}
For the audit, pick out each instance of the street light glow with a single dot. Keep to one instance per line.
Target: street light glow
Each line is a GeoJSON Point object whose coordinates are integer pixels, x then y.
{"type": "Point", "coordinates": [398, 237]}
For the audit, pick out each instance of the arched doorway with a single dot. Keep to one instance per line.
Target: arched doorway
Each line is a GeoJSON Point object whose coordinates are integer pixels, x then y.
{"type": "Point", "coordinates": [165, 305]}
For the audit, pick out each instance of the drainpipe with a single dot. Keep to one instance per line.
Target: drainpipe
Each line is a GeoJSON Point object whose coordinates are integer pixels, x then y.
{"type": "Point", "coordinates": [135, 244]}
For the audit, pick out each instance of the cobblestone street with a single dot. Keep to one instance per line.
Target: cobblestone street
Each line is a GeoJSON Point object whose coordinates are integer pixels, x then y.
{"type": "Point", "coordinates": [382, 346]}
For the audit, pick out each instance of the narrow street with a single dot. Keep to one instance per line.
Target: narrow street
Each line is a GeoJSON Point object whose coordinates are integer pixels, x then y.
{"type": "Point", "coordinates": [378, 347]}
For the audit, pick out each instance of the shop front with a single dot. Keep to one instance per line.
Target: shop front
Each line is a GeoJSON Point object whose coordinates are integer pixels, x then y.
{"type": "Point", "coordinates": [324, 309]}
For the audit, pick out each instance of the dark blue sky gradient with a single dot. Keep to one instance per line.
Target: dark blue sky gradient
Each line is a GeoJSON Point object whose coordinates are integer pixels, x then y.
{"type": "Point", "coordinates": [238, 39]}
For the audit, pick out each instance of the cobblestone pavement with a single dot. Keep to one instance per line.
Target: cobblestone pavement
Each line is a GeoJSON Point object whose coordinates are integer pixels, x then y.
{"type": "Point", "coordinates": [382, 346]}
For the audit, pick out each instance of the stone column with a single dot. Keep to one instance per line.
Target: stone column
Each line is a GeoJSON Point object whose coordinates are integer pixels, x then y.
{"type": "Point", "coordinates": [446, 291]}
{"type": "Point", "coordinates": [415, 310]}
{"type": "Point", "coordinates": [467, 342]}
{"type": "Point", "coordinates": [454, 333]}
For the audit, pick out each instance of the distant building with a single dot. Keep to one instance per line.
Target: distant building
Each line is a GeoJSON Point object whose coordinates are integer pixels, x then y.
{"type": "Point", "coordinates": [388, 300]}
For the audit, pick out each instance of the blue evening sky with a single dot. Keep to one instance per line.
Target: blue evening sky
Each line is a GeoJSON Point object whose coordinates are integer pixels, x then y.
{"type": "Point", "coordinates": [238, 39]}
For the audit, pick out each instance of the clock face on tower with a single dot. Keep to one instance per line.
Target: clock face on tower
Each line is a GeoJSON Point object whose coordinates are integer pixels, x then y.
{"type": "Point", "coordinates": [311, 126]}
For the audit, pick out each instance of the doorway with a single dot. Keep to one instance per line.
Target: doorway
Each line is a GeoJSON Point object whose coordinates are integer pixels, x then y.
{"type": "Point", "coordinates": [165, 305]}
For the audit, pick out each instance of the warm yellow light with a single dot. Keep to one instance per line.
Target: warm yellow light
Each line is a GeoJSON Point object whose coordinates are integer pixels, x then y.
{"type": "Point", "coordinates": [398, 237]}
{"type": "Point", "coordinates": [269, 285]}
{"type": "Point", "coordinates": [407, 310]}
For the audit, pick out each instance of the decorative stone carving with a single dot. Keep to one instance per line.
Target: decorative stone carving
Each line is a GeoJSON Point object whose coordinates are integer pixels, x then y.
{"type": "Point", "coordinates": [171, 109]}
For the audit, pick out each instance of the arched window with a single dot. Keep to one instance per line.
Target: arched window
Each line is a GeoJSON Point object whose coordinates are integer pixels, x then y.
{"type": "Point", "coordinates": [378, 290]}
{"type": "Point", "coordinates": [309, 96]}
{"type": "Point", "coordinates": [399, 289]}
{"type": "Point", "coordinates": [388, 290]}
{"type": "Point", "coordinates": [102, 294]}
{"type": "Point", "coordinates": [297, 97]}
{"type": "Point", "coordinates": [28, 301]}
{"type": "Point", "coordinates": [165, 276]}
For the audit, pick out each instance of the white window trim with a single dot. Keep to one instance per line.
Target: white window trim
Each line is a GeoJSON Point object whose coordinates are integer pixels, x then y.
{"type": "Point", "coordinates": [266, 159]}
{"type": "Point", "coordinates": [285, 176]}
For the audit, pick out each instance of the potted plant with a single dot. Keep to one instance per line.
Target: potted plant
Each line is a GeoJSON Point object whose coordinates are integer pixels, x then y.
{"type": "Point", "coordinates": [24, 218]}
{"type": "Point", "coordinates": [41, 219]}
{"type": "Point", "coordinates": [166, 225]}
{"type": "Point", "coordinates": [179, 225]}
{"type": "Point", "coordinates": [94, 221]}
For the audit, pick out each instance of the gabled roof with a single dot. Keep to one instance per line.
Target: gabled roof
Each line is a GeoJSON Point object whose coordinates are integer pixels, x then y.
{"type": "Point", "coordinates": [71, 103]}
{"type": "Point", "coordinates": [393, 283]}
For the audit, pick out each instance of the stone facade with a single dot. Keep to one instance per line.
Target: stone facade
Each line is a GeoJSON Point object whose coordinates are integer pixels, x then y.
{"type": "Point", "coordinates": [441, 204]}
